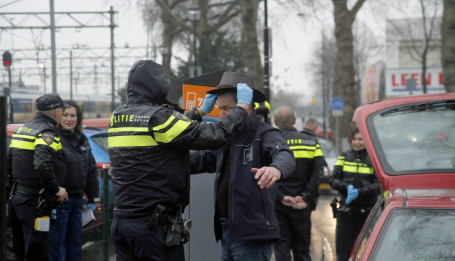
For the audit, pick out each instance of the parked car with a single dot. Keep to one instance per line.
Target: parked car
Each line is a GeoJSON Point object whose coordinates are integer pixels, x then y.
{"type": "Point", "coordinates": [411, 144]}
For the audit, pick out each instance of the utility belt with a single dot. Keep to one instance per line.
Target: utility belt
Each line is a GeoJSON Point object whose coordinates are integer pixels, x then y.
{"type": "Point", "coordinates": [26, 189]}
{"type": "Point", "coordinates": [177, 226]}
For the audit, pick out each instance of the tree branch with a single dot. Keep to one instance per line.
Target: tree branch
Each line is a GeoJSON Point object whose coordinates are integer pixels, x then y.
{"type": "Point", "coordinates": [356, 8]}
{"type": "Point", "coordinates": [174, 19]}
{"type": "Point", "coordinates": [225, 17]}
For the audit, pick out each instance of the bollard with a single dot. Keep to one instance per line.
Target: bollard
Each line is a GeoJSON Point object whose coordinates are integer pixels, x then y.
{"type": "Point", "coordinates": [105, 214]}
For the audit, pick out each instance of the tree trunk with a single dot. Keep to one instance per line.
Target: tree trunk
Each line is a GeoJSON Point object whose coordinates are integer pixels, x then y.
{"type": "Point", "coordinates": [344, 85]}
{"type": "Point", "coordinates": [448, 45]}
{"type": "Point", "coordinates": [249, 42]}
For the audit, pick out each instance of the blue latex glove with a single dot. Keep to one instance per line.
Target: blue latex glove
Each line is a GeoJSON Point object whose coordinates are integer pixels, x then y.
{"type": "Point", "coordinates": [353, 193]}
{"type": "Point", "coordinates": [91, 206]}
{"type": "Point", "coordinates": [244, 93]}
{"type": "Point", "coordinates": [209, 103]}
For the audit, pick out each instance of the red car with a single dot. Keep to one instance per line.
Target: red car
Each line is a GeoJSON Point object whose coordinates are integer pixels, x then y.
{"type": "Point", "coordinates": [411, 143]}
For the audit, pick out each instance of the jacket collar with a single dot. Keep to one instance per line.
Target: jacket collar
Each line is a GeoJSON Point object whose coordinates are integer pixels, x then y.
{"type": "Point", "coordinates": [287, 129]}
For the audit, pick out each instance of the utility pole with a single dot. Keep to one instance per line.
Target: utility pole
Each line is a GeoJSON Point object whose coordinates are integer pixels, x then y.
{"type": "Point", "coordinates": [77, 23]}
{"type": "Point", "coordinates": [54, 59]}
{"type": "Point", "coordinates": [266, 54]}
{"type": "Point", "coordinates": [71, 75]}
{"type": "Point", "coordinates": [112, 26]}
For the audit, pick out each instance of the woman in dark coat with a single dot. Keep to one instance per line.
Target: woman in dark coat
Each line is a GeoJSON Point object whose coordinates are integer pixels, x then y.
{"type": "Point", "coordinates": [81, 177]}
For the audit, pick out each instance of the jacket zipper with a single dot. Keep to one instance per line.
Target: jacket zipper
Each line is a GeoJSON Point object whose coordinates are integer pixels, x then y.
{"type": "Point", "coordinates": [269, 227]}
{"type": "Point", "coordinates": [231, 177]}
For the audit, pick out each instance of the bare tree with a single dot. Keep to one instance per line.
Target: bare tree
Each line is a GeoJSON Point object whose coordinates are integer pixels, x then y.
{"type": "Point", "coordinates": [249, 41]}
{"type": "Point", "coordinates": [448, 45]}
{"type": "Point", "coordinates": [418, 34]}
{"type": "Point", "coordinates": [344, 85]}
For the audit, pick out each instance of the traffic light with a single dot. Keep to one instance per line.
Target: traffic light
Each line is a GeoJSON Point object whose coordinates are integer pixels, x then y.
{"type": "Point", "coordinates": [7, 59]}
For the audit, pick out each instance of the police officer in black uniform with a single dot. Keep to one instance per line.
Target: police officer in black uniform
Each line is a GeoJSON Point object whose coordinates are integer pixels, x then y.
{"type": "Point", "coordinates": [35, 168]}
{"type": "Point", "coordinates": [149, 143]}
{"type": "Point", "coordinates": [354, 178]}
{"type": "Point", "coordinates": [298, 192]}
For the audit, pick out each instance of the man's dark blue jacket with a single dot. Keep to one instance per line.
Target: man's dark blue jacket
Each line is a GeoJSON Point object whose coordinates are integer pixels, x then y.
{"type": "Point", "coordinates": [251, 210]}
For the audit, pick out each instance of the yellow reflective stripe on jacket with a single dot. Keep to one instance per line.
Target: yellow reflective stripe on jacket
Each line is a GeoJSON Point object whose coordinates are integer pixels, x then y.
{"type": "Point", "coordinates": [308, 152]}
{"type": "Point", "coordinates": [318, 151]}
{"type": "Point", "coordinates": [129, 137]}
{"type": "Point", "coordinates": [27, 142]}
{"type": "Point", "coordinates": [18, 142]}
{"type": "Point", "coordinates": [164, 125]}
{"type": "Point", "coordinates": [124, 129]}
{"type": "Point", "coordinates": [358, 169]}
{"type": "Point", "coordinates": [173, 132]}
{"type": "Point", "coordinates": [131, 141]}
{"type": "Point", "coordinates": [56, 145]}
{"type": "Point", "coordinates": [340, 161]}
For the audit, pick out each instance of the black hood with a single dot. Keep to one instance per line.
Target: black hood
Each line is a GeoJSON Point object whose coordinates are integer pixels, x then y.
{"type": "Point", "coordinates": [147, 83]}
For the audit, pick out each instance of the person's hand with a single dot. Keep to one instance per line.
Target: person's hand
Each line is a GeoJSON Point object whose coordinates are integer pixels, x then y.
{"type": "Point", "coordinates": [209, 103]}
{"type": "Point", "coordinates": [288, 201]}
{"type": "Point", "coordinates": [267, 176]}
{"type": "Point", "coordinates": [300, 203]}
{"type": "Point", "coordinates": [244, 94]}
{"type": "Point", "coordinates": [62, 196]}
{"type": "Point", "coordinates": [91, 206]}
{"type": "Point", "coordinates": [353, 193]}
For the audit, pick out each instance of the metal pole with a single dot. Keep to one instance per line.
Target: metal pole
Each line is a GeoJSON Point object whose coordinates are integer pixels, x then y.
{"type": "Point", "coordinates": [54, 55]}
{"type": "Point", "coordinates": [338, 133]}
{"type": "Point", "coordinates": [3, 177]}
{"type": "Point", "coordinates": [194, 48]}
{"type": "Point", "coordinates": [105, 214]}
{"type": "Point", "coordinates": [266, 54]}
{"type": "Point", "coordinates": [324, 109]}
{"type": "Point", "coordinates": [71, 75]}
{"type": "Point", "coordinates": [11, 105]}
{"type": "Point", "coordinates": [111, 11]}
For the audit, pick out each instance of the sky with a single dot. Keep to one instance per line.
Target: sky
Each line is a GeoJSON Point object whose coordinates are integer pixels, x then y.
{"type": "Point", "coordinates": [294, 38]}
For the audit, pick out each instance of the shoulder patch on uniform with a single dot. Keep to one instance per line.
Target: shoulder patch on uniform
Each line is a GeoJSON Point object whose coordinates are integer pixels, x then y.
{"type": "Point", "coordinates": [48, 138]}
{"type": "Point", "coordinates": [180, 116]}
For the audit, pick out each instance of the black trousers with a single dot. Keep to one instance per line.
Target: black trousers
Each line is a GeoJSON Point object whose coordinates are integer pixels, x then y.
{"type": "Point", "coordinates": [295, 229]}
{"type": "Point", "coordinates": [347, 230]}
{"type": "Point", "coordinates": [134, 240]}
{"type": "Point", "coordinates": [28, 243]}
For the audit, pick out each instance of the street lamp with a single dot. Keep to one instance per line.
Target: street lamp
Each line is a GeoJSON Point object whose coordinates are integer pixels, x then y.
{"type": "Point", "coordinates": [163, 51]}
{"type": "Point", "coordinates": [194, 14]}
{"type": "Point", "coordinates": [42, 66]}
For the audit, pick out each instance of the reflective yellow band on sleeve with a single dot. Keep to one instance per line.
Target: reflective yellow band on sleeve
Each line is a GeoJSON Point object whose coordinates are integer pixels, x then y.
{"type": "Point", "coordinates": [131, 141]}
{"type": "Point", "coordinates": [131, 129]}
{"type": "Point", "coordinates": [340, 161]}
{"type": "Point", "coordinates": [173, 132]}
{"type": "Point", "coordinates": [21, 136]}
{"type": "Point", "coordinates": [164, 125]}
{"type": "Point", "coordinates": [355, 169]}
{"type": "Point", "coordinates": [318, 152]}
{"type": "Point", "coordinates": [54, 145]}
{"type": "Point", "coordinates": [20, 144]}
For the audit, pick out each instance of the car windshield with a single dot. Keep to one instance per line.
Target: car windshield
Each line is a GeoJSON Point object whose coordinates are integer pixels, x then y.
{"type": "Point", "coordinates": [417, 234]}
{"type": "Point", "coordinates": [101, 141]}
{"type": "Point", "coordinates": [416, 138]}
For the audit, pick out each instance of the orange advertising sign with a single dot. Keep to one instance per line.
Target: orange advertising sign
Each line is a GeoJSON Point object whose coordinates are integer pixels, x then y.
{"type": "Point", "coordinates": [193, 96]}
